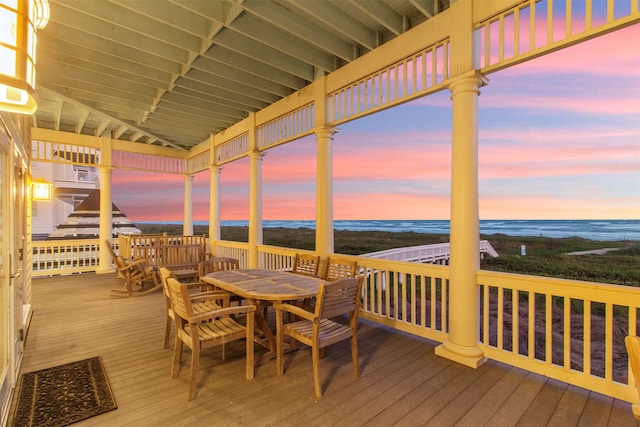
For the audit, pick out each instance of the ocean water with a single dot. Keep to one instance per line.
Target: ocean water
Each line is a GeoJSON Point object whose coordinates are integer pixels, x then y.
{"type": "Point", "coordinates": [589, 229]}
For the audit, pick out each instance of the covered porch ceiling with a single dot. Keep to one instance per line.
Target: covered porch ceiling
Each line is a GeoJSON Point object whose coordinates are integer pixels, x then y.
{"type": "Point", "coordinates": [173, 72]}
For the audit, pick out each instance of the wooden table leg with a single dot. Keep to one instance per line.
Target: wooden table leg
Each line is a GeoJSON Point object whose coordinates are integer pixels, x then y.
{"type": "Point", "coordinates": [269, 341]}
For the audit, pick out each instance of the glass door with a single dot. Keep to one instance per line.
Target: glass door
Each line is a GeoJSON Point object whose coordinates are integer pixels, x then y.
{"type": "Point", "coordinates": [5, 290]}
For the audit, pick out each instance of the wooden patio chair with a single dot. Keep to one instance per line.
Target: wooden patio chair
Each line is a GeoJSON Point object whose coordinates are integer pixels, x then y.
{"type": "Point", "coordinates": [213, 263]}
{"type": "Point", "coordinates": [317, 330]}
{"type": "Point", "coordinates": [208, 329]}
{"type": "Point", "coordinates": [306, 264]}
{"type": "Point", "coordinates": [338, 268]}
{"type": "Point", "coordinates": [216, 300]}
{"type": "Point", "coordinates": [139, 277]}
{"type": "Point", "coordinates": [633, 348]}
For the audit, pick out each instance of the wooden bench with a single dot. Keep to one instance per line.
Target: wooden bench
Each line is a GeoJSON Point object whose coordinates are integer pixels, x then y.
{"type": "Point", "coordinates": [182, 259]}
{"type": "Point", "coordinates": [180, 254]}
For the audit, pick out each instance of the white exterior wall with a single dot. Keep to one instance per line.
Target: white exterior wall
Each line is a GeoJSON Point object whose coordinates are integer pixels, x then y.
{"type": "Point", "coordinates": [66, 178]}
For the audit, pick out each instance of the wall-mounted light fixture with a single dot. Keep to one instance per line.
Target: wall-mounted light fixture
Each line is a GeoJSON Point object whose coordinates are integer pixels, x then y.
{"type": "Point", "coordinates": [18, 22]}
{"type": "Point", "coordinates": [41, 190]}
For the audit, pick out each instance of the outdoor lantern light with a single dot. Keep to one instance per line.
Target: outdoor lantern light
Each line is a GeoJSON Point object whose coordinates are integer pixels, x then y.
{"type": "Point", "coordinates": [41, 190]}
{"type": "Point", "coordinates": [18, 22]}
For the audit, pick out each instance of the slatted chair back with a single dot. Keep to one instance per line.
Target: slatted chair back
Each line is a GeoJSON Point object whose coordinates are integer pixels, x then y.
{"type": "Point", "coordinates": [633, 349]}
{"type": "Point", "coordinates": [337, 298]}
{"type": "Point", "coordinates": [217, 264]}
{"type": "Point", "coordinates": [306, 264]}
{"type": "Point", "coordinates": [179, 298]}
{"type": "Point", "coordinates": [338, 268]}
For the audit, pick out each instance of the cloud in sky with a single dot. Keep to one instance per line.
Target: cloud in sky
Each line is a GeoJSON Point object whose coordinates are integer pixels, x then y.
{"type": "Point", "coordinates": [559, 137]}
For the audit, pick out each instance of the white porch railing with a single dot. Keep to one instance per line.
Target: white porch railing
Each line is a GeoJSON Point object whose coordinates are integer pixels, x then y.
{"type": "Point", "coordinates": [438, 253]}
{"type": "Point", "coordinates": [576, 335]}
{"type": "Point", "coordinates": [52, 257]}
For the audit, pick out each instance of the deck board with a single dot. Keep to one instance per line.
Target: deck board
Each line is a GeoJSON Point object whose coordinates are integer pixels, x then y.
{"type": "Point", "coordinates": [402, 382]}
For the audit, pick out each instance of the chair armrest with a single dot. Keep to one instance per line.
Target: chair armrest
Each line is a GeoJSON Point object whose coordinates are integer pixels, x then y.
{"type": "Point", "coordinates": [298, 311]}
{"type": "Point", "coordinates": [223, 312]}
{"type": "Point", "coordinates": [209, 295]}
{"type": "Point", "coordinates": [198, 284]}
{"type": "Point", "coordinates": [139, 262]}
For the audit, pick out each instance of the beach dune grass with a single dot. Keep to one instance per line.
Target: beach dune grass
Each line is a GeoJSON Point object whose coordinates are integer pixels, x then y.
{"type": "Point", "coordinates": [544, 256]}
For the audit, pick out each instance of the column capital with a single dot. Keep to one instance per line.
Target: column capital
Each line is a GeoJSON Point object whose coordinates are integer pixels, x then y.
{"type": "Point", "coordinates": [188, 176]}
{"type": "Point", "coordinates": [215, 168]}
{"type": "Point", "coordinates": [468, 82]}
{"type": "Point", "coordinates": [256, 155]}
{"type": "Point", "coordinates": [325, 131]}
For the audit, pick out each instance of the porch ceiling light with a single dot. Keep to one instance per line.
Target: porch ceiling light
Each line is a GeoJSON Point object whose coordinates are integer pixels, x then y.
{"type": "Point", "coordinates": [41, 190]}
{"type": "Point", "coordinates": [18, 22]}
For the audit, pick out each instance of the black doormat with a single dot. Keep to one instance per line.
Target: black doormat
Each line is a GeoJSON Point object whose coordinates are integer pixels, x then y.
{"type": "Point", "coordinates": [64, 394]}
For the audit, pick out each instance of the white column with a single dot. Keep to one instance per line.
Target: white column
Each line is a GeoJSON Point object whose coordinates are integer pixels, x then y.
{"type": "Point", "coordinates": [214, 205]}
{"type": "Point", "coordinates": [255, 207]}
{"type": "Point", "coordinates": [461, 344]}
{"type": "Point", "coordinates": [106, 220]}
{"type": "Point", "coordinates": [187, 227]}
{"type": "Point", "coordinates": [324, 191]}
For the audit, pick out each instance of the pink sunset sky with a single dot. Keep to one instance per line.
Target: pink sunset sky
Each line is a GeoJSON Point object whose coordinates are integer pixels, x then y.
{"type": "Point", "coordinates": [559, 138]}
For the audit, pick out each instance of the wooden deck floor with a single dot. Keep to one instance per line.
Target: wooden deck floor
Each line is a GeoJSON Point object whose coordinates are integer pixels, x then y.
{"type": "Point", "coordinates": [402, 381]}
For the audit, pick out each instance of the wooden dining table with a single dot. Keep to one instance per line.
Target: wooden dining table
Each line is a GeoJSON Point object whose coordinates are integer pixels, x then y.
{"type": "Point", "coordinates": [261, 288]}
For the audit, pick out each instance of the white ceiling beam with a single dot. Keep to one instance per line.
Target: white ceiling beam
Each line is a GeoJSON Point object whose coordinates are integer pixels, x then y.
{"type": "Point", "coordinates": [254, 49]}
{"type": "Point", "coordinates": [100, 129]}
{"type": "Point", "coordinates": [383, 14]}
{"type": "Point", "coordinates": [427, 7]}
{"type": "Point", "coordinates": [120, 131]}
{"type": "Point", "coordinates": [82, 120]}
{"type": "Point", "coordinates": [78, 40]}
{"type": "Point", "coordinates": [288, 22]}
{"type": "Point", "coordinates": [222, 97]}
{"type": "Point", "coordinates": [234, 59]}
{"type": "Point", "coordinates": [57, 113]}
{"type": "Point", "coordinates": [94, 111]}
{"type": "Point", "coordinates": [222, 70]}
{"type": "Point", "coordinates": [283, 42]}
{"type": "Point", "coordinates": [339, 22]}
{"type": "Point", "coordinates": [170, 15]}
{"type": "Point", "coordinates": [131, 22]}
{"type": "Point", "coordinates": [113, 33]}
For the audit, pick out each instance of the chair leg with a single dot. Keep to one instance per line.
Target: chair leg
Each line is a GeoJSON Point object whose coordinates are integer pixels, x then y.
{"type": "Point", "coordinates": [315, 357]}
{"type": "Point", "coordinates": [354, 355]}
{"type": "Point", "coordinates": [279, 342]}
{"type": "Point", "coordinates": [177, 357]}
{"type": "Point", "coordinates": [250, 346]}
{"type": "Point", "coordinates": [195, 358]}
{"type": "Point", "coordinates": [167, 333]}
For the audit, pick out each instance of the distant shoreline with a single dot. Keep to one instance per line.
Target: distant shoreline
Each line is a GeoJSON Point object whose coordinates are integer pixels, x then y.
{"type": "Point", "coordinates": [545, 256]}
{"type": "Point", "coordinates": [360, 242]}
{"type": "Point", "coordinates": [601, 230]}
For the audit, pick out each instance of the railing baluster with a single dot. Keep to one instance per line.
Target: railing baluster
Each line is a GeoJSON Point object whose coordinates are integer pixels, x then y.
{"type": "Point", "coordinates": [567, 333]}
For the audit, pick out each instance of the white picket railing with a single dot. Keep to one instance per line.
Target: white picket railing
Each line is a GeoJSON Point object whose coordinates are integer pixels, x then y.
{"type": "Point", "coordinates": [438, 253]}
{"type": "Point", "coordinates": [576, 335]}
{"type": "Point", "coordinates": [52, 257]}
